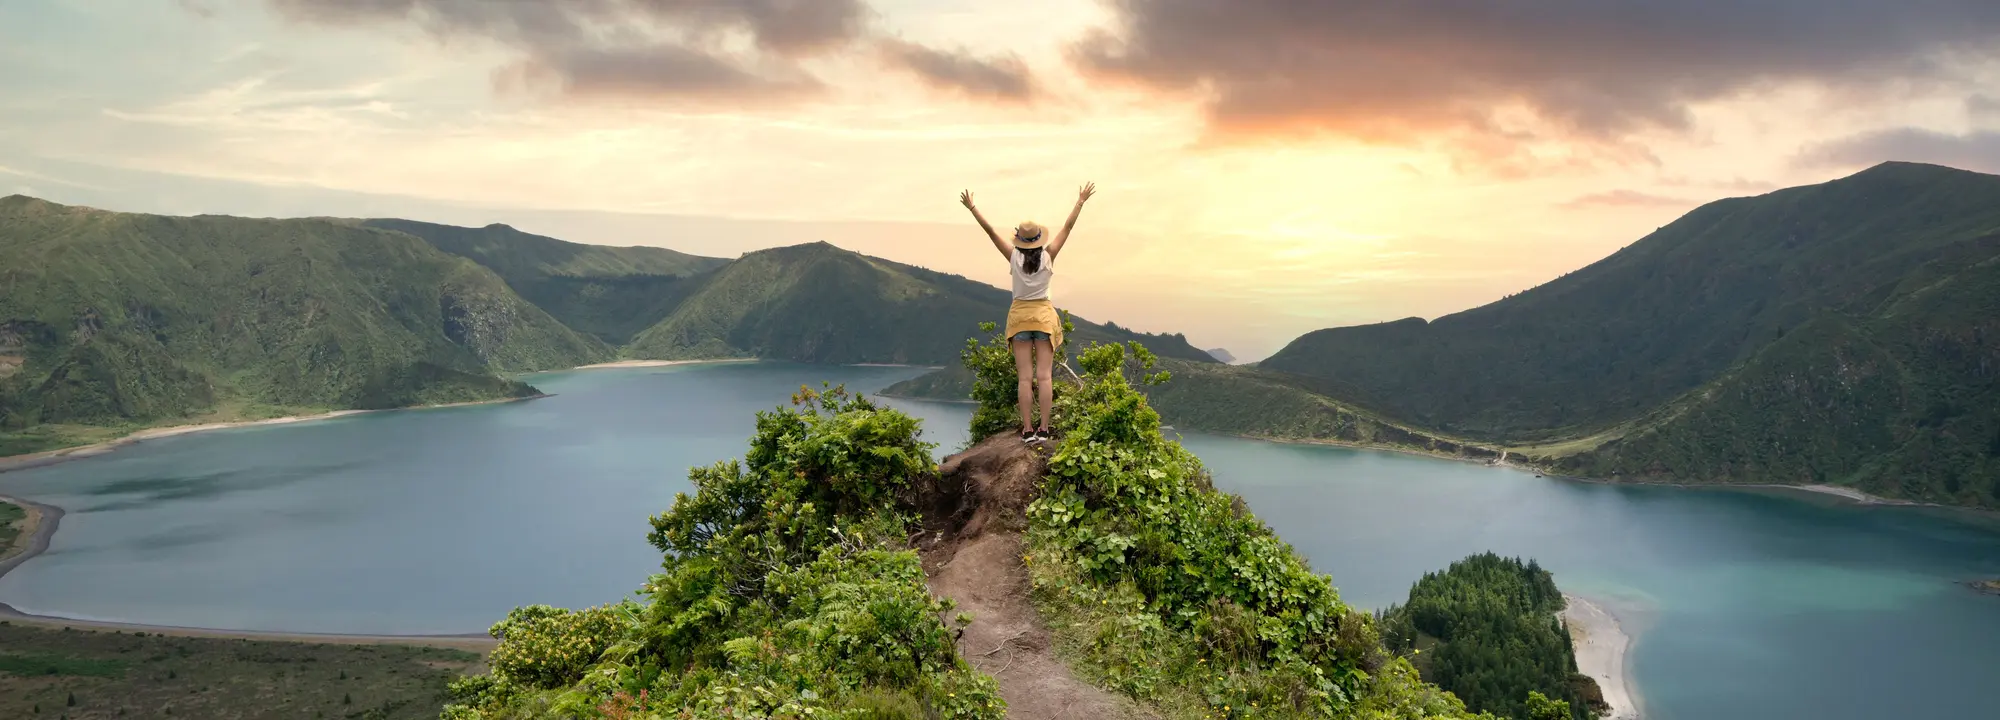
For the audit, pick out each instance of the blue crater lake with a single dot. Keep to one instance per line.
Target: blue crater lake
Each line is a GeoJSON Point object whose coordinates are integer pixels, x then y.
{"type": "Point", "coordinates": [1743, 605]}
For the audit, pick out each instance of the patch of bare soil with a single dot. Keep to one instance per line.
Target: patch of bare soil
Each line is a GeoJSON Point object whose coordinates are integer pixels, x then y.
{"type": "Point", "coordinates": [974, 513]}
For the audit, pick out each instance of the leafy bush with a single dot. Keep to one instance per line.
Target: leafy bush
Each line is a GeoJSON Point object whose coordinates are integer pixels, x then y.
{"type": "Point", "coordinates": [786, 592]}
{"type": "Point", "coordinates": [1164, 589]}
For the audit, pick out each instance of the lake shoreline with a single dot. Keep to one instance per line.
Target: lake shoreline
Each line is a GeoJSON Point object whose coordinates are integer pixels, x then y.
{"type": "Point", "coordinates": [36, 530]}
{"type": "Point", "coordinates": [39, 530]}
{"type": "Point", "coordinates": [1603, 652]}
{"type": "Point", "coordinates": [622, 364]}
{"type": "Point", "coordinates": [1853, 496]}
{"type": "Point", "coordinates": [59, 455]}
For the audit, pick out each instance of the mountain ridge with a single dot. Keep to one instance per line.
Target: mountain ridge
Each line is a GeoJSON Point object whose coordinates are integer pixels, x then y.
{"type": "Point", "coordinates": [119, 320]}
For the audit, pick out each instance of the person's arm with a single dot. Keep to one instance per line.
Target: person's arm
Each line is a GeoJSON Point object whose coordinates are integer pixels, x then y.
{"type": "Point", "coordinates": [1056, 246]}
{"type": "Point", "coordinates": [966, 199]}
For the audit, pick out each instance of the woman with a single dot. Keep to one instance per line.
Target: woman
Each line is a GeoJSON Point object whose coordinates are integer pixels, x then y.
{"type": "Point", "coordinates": [1033, 327]}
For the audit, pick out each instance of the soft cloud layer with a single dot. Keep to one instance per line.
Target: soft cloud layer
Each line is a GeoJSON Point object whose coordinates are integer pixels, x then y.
{"type": "Point", "coordinates": [1970, 151]}
{"type": "Point", "coordinates": [1004, 77]}
{"type": "Point", "coordinates": [707, 48]}
{"type": "Point", "coordinates": [1594, 69]}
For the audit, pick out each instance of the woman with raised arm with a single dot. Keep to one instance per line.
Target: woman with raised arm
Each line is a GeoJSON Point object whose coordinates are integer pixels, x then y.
{"type": "Point", "coordinates": [1034, 330]}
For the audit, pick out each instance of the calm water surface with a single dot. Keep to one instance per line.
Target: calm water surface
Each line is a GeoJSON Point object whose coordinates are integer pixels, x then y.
{"type": "Point", "coordinates": [439, 521]}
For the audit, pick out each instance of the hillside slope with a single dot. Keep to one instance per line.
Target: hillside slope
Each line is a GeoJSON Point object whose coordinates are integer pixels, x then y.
{"type": "Point", "coordinates": [1658, 318]}
{"type": "Point", "coordinates": [609, 292]}
{"type": "Point", "coordinates": [819, 303]}
{"type": "Point", "coordinates": [117, 318]}
{"type": "Point", "coordinates": [1897, 394]}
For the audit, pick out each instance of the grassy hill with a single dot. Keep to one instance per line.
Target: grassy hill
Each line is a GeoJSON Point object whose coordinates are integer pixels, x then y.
{"type": "Point", "coordinates": [609, 292]}
{"type": "Point", "coordinates": [1661, 317]}
{"type": "Point", "coordinates": [1896, 394]}
{"type": "Point", "coordinates": [819, 303]}
{"type": "Point", "coordinates": [118, 319]}
{"type": "Point", "coordinates": [111, 321]}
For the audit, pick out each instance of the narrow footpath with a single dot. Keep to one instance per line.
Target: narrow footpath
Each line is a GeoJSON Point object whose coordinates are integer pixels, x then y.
{"type": "Point", "coordinates": [971, 547]}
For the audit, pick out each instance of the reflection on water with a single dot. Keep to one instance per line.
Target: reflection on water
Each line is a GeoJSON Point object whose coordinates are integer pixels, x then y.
{"type": "Point", "coordinates": [1745, 605]}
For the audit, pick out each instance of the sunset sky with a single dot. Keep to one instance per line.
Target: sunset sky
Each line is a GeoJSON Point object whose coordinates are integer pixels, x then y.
{"type": "Point", "coordinates": [1265, 167]}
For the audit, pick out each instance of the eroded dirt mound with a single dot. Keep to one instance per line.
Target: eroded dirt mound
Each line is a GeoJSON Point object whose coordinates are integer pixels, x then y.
{"type": "Point", "coordinates": [986, 488]}
{"type": "Point", "coordinates": [971, 546]}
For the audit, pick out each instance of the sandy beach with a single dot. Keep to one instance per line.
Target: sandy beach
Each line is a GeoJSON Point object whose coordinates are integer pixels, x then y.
{"type": "Point", "coordinates": [655, 363]}
{"type": "Point", "coordinates": [51, 457]}
{"type": "Point", "coordinates": [1846, 492]}
{"type": "Point", "coordinates": [1602, 652]}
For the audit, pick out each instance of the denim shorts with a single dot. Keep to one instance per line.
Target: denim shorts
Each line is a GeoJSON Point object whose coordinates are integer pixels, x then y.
{"type": "Point", "coordinates": [1027, 335]}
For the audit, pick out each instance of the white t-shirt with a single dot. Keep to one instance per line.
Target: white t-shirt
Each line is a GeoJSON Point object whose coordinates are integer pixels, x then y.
{"type": "Point", "coordinates": [1027, 286]}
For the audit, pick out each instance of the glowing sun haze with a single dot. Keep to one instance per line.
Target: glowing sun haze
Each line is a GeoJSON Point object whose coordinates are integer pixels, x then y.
{"type": "Point", "coordinates": [1265, 167]}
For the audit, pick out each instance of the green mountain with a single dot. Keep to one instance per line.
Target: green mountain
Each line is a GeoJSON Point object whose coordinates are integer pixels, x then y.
{"type": "Point", "coordinates": [1658, 318]}
{"type": "Point", "coordinates": [819, 303]}
{"type": "Point", "coordinates": [119, 319]}
{"type": "Point", "coordinates": [610, 292]}
{"type": "Point", "coordinates": [1839, 333]}
{"type": "Point", "coordinates": [1897, 393]}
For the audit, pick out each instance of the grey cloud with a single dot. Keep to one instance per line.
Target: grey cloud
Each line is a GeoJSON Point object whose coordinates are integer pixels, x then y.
{"type": "Point", "coordinates": [1393, 71]}
{"type": "Point", "coordinates": [198, 8]}
{"type": "Point", "coordinates": [629, 47]}
{"type": "Point", "coordinates": [656, 70]}
{"type": "Point", "coordinates": [1625, 198]}
{"type": "Point", "coordinates": [1978, 151]}
{"type": "Point", "coordinates": [1001, 78]}
{"type": "Point", "coordinates": [1983, 108]}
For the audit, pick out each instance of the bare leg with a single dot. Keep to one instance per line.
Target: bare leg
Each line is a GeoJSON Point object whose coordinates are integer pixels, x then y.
{"type": "Point", "coordinates": [1024, 371]}
{"type": "Point", "coordinates": [1045, 366]}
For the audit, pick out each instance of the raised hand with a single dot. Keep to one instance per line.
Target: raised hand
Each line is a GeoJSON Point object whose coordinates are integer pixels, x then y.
{"type": "Point", "coordinates": [965, 198]}
{"type": "Point", "coordinates": [1088, 190]}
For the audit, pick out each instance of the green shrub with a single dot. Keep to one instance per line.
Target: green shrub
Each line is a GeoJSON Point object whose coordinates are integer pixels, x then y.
{"type": "Point", "coordinates": [1166, 590]}
{"type": "Point", "coordinates": [785, 591]}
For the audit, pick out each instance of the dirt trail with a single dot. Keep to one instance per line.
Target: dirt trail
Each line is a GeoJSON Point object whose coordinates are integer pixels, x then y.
{"type": "Point", "coordinates": [971, 549]}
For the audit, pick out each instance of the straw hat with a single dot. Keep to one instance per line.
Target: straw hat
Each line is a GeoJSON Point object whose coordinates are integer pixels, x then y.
{"type": "Point", "coordinates": [1029, 235]}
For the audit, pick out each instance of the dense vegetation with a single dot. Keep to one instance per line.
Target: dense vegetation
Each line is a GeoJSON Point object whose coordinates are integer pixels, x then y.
{"type": "Point", "coordinates": [1488, 629]}
{"type": "Point", "coordinates": [787, 591]}
{"type": "Point", "coordinates": [1658, 318]}
{"type": "Point", "coordinates": [117, 319]}
{"type": "Point", "coordinates": [1171, 592]}
{"type": "Point", "coordinates": [819, 303]}
{"type": "Point", "coordinates": [612, 293]}
{"type": "Point", "coordinates": [53, 673]}
{"type": "Point", "coordinates": [1897, 394]}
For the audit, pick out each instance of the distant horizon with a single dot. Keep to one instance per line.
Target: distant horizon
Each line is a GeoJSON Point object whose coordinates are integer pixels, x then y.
{"type": "Point", "coordinates": [860, 237]}
{"type": "Point", "coordinates": [1265, 167]}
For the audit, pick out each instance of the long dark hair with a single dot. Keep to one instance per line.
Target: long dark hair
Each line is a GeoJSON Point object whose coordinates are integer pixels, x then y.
{"type": "Point", "coordinates": [1031, 260]}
